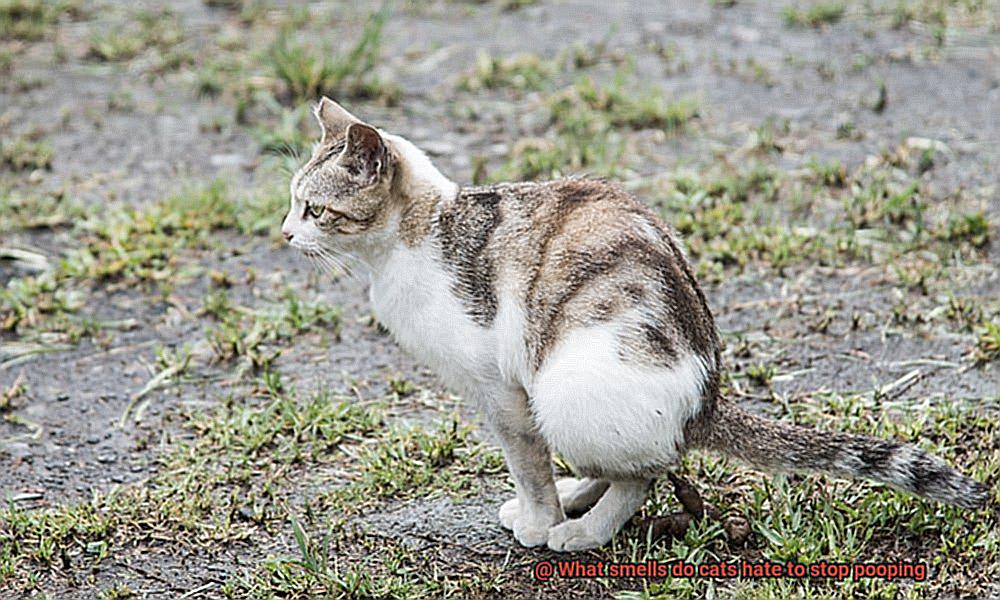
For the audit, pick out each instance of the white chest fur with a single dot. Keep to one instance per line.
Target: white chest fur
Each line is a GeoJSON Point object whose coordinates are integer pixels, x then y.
{"type": "Point", "coordinates": [411, 296]}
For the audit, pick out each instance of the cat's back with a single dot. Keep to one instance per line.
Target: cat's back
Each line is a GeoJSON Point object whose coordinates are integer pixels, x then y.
{"type": "Point", "coordinates": [571, 253]}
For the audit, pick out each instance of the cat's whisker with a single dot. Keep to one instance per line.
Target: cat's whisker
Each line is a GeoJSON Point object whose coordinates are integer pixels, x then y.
{"type": "Point", "coordinates": [332, 263]}
{"type": "Point", "coordinates": [343, 260]}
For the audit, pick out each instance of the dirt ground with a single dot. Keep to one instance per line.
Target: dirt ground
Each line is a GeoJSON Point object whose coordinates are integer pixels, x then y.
{"type": "Point", "coordinates": [203, 414]}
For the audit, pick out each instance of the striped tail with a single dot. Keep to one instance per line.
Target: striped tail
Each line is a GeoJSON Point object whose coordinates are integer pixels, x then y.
{"type": "Point", "coordinates": [774, 446]}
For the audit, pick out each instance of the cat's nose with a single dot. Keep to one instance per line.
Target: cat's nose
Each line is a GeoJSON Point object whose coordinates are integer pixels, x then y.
{"type": "Point", "coordinates": [288, 235]}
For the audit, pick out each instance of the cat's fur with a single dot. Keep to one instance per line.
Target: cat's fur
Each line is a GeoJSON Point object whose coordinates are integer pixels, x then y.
{"type": "Point", "coordinates": [569, 312]}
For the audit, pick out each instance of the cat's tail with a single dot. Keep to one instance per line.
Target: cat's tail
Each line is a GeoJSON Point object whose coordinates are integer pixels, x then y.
{"type": "Point", "coordinates": [775, 446]}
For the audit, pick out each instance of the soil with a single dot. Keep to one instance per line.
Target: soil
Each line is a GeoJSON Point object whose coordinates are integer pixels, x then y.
{"type": "Point", "coordinates": [74, 445]}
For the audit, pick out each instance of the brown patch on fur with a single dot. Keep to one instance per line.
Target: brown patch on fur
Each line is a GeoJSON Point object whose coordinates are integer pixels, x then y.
{"type": "Point", "coordinates": [464, 229]}
{"type": "Point", "coordinates": [574, 253]}
{"type": "Point", "coordinates": [416, 217]}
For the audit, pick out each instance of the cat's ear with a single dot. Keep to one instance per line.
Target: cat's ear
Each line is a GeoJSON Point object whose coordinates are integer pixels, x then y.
{"type": "Point", "coordinates": [364, 154]}
{"type": "Point", "coordinates": [334, 119]}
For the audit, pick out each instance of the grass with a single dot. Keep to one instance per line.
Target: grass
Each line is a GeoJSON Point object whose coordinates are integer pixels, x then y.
{"type": "Point", "coordinates": [231, 482]}
{"type": "Point", "coordinates": [586, 119]}
{"type": "Point", "coordinates": [193, 496]}
{"type": "Point", "coordinates": [308, 74]}
{"type": "Point", "coordinates": [520, 72]}
{"type": "Point", "coordinates": [616, 105]}
{"type": "Point", "coordinates": [23, 153]}
{"type": "Point", "coordinates": [223, 485]}
{"type": "Point", "coordinates": [809, 519]}
{"type": "Point", "coordinates": [292, 135]}
{"type": "Point", "coordinates": [875, 215]}
{"type": "Point", "coordinates": [249, 335]}
{"type": "Point", "coordinates": [987, 347]}
{"type": "Point", "coordinates": [31, 20]}
{"type": "Point", "coordinates": [816, 15]}
{"type": "Point", "coordinates": [411, 461]}
{"type": "Point", "coordinates": [131, 246]}
{"type": "Point", "coordinates": [161, 30]}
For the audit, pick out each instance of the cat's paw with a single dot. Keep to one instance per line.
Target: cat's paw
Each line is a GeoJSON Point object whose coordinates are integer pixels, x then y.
{"type": "Point", "coordinates": [531, 532]}
{"type": "Point", "coordinates": [573, 535]}
{"type": "Point", "coordinates": [509, 512]}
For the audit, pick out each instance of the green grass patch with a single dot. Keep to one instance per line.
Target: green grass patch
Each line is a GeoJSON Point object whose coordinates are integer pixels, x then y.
{"type": "Point", "coordinates": [307, 73]}
{"type": "Point", "coordinates": [520, 72]}
{"type": "Point", "coordinates": [32, 20]}
{"type": "Point", "coordinates": [816, 15]}
{"type": "Point", "coordinates": [987, 347]}
{"type": "Point", "coordinates": [875, 215]}
{"type": "Point", "coordinates": [23, 153]}
{"type": "Point", "coordinates": [808, 519]}
{"type": "Point", "coordinates": [249, 335]}
{"type": "Point", "coordinates": [617, 105]}
{"type": "Point", "coordinates": [586, 121]}
{"type": "Point", "coordinates": [21, 210]}
{"type": "Point", "coordinates": [228, 482]}
{"type": "Point", "coordinates": [161, 30]}
{"type": "Point", "coordinates": [154, 246]}
{"type": "Point", "coordinates": [218, 487]}
{"type": "Point", "coordinates": [413, 461]}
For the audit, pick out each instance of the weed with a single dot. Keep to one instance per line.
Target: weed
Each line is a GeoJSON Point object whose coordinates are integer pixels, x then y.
{"type": "Point", "coordinates": [414, 460]}
{"type": "Point", "coordinates": [31, 20]}
{"type": "Point", "coordinates": [510, 5]}
{"type": "Point", "coordinates": [23, 153]}
{"type": "Point", "coordinates": [973, 228]}
{"type": "Point", "coordinates": [828, 173]}
{"type": "Point", "coordinates": [131, 246]}
{"type": "Point", "coordinates": [248, 335]}
{"type": "Point", "coordinates": [21, 210]}
{"type": "Point", "coordinates": [817, 15]}
{"type": "Point", "coordinates": [520, 72]}
{"type": "Point", "coordinates": [291, 136]}
{"type": "Point", "coordinates": [227, 4]}
{"type": "Point", "coordinates": [307, 75]}
{"type": "Point", "coordinates": [761, 374]}
{"type": "Point", "coordinates": [877, 198]}
{"type": "Point", "coordinates": [198, 491]}
{"type": "Point", "coordinates": [589, 105]}
{"type": "Point", "coordinates": [161, 30]}
{"type": "Point", "coordinates": [988, 343]}
{"type": "Point", "coordinates": [585, 118]}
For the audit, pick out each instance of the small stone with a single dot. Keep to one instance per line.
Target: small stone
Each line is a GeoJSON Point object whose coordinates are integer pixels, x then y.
{"type": "Point", "coordinates": [438, 148]}
{"type": "Point", "coordinates": [746, 34]}
{"type": "Point", "coordinates": [227, 160]}
{"type": "Point", "coordinates": [93, 439]}
{"type": "Point", "coordinates": [62, 397]}
{"type": "Point", "coordinates": [106, 458]}
{"type": "Point", "coordinates": [18, 450]}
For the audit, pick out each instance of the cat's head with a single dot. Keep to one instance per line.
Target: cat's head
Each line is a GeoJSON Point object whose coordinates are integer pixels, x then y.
{"type": "Point", "coordinates": [342, 195]}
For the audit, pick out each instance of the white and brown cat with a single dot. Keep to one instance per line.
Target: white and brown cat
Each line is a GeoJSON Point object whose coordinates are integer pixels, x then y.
{"type": "Point", "coordinates": [568, 311]}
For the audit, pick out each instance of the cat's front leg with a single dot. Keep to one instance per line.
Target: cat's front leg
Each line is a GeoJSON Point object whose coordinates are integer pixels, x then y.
{"type": "Point", "coordinates": [529, 459]}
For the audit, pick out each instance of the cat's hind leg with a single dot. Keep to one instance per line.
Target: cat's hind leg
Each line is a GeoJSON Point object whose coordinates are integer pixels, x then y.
{"type": "Point", "coordinates": [598, 525]}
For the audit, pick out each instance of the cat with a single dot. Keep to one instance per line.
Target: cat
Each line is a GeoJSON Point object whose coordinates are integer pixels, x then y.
{"type": "Point", "coordinates": [568, 311]}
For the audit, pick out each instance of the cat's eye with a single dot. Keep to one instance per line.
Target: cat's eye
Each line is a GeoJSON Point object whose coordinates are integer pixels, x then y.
{"type": "Point", "coordinates": [314, 210]}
